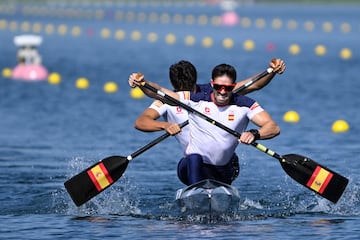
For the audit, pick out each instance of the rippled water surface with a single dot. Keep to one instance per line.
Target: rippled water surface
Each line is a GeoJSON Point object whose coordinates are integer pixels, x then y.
{"type": "Point", "coordinates": [49, 133]}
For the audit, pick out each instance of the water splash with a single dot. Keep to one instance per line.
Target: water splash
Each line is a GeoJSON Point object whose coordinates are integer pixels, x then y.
{"type": "Point", "coordinates": [121, 198]}
{"type": "Point", "coordinates": [347, 205]}
{"type": "Point", "coordinates": [124, 199]}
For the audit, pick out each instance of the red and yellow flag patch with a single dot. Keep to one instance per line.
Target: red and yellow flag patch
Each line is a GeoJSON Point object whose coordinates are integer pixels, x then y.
{"type": "Point", "coordinates": [100, 176]}
{"type": "Point", "coordinates": [319, 179]}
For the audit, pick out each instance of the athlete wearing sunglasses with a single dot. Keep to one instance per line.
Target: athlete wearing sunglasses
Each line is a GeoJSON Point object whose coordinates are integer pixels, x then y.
{"type": "Point", "coordinates": [223, 82]}
{"type": "Point", "coordinates": [210, 150]}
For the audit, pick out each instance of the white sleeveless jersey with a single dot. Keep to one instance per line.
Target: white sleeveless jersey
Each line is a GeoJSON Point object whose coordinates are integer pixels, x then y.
{"type": "Point", "coordinates": [174, 114]}
{"type": "Point", "coordinates": [214, 144]}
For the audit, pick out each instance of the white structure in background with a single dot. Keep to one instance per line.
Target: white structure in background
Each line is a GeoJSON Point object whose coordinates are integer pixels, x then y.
{"type": "Point", "coordinates": [228, 5]}
{"type": "Point", "coordinates": [29, 65]}
{"type": "Point", "coordinates": [230, 17]}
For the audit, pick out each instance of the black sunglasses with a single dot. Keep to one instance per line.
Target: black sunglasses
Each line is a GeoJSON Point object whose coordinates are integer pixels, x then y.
{"type": "Point", "coordinates": [227, 88]}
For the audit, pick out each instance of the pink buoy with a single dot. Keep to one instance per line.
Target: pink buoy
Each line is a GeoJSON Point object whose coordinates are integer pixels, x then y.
{"type": "Point", "coordinates": [30, 72]}
{"type": "Point", "coordinates": [230, 18]}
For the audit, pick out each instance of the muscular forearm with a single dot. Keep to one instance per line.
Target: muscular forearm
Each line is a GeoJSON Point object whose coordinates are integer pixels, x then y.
{"type": "Point", "coordinates": [256, 85]}
{"type": "Point", "coordinates": [150, 93]}
{"type": "Point", "coordinates": [269, 130]}
{"type": "Point", "coordinates": [262, 82]}
{"type": "Point", "coordinates": [149, 125]}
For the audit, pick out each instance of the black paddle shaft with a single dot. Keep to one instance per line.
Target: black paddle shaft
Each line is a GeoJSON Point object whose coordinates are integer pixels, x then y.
{"type": "Point", "coordinates": [216, 123]}
{"type": "Point", "coordinates": [153, 143]}
{"type": "Point", "coordinates": [236, 91]}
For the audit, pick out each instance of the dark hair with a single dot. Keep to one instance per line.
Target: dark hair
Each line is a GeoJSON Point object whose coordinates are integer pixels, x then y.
{"type": "Point", "coordinates": [183, 76]}
{"type": "Point", "coordinates": [224, 69]}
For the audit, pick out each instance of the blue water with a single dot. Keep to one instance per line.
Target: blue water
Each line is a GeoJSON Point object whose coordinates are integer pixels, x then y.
{"type": "Point", "coordinates": [48, 133]}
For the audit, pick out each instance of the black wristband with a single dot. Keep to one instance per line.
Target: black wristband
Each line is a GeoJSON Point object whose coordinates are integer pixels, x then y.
{"type": "Point", "coordinates": [255, 133]}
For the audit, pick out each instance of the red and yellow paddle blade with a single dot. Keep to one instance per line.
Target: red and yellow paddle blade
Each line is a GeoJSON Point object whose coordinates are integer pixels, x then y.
{"type": "Point", "coordinates": [314, 176]}
{"type": "Point", "coordinates": [95, 179]}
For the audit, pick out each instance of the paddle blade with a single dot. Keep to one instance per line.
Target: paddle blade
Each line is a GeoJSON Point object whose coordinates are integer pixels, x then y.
{"type": "Point", "coordinates": [95, 179]}
{"type": "Point", "coordinates": [314, 176]}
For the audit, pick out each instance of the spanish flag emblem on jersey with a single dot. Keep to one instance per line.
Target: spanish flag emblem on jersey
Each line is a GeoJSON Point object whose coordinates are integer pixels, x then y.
{"type": "Point", "coordinates": [319, 179]}
{"type": "Point", "coordinates": [100, 176]}
{"type": "Point", "coordinates": [231, 117]}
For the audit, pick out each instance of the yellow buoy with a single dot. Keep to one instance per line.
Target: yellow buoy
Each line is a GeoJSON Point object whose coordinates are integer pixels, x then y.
{"type": "Point", "coordinates": [170, 39]}
{"type": "Point", "coordinates": [345, 53]}
{"type": "Point", "coordinates": [228, 43]}
{"type": "Point", "coordinates": [320, 50]}
{"type": "Point", "coordinates": [136, 93]}
{"type": "Point", "coordinates": [340, 126]}
{"type": "Point", "coordinates": [249, 45]}
{"type": "Point", "coordinates": [54, 78]}
{"type": "Point", "coordinates": [6, 72]}
{"type": "Point", "coordinates": [294, 49]}
{"type": "Point", "coordinates": [207, 42]}
{"type": "Point", "coordinates": [110, 87]}
{"type": "Point", "coordinates": [82, 83]}
{"type": "Point", "coordinates": [291, 116]}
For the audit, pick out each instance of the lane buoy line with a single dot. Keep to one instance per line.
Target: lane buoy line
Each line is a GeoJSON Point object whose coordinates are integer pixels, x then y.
{"type": "Point", "coordinates": [344, 53]}
{"type": "Point", "coordinates": [135, 15]}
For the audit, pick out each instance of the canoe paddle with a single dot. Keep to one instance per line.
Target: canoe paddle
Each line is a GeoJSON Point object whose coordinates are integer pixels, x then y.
{"type": "Point", "coordinates": [101, 175]}
{"type": "Point", "coordinates": [304, 170]}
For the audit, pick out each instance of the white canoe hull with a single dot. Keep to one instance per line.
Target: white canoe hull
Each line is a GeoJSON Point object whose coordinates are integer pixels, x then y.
{"type": "Point", "coordinates": [207, 197]}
